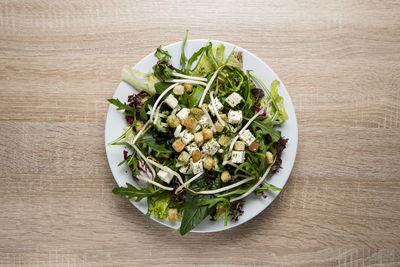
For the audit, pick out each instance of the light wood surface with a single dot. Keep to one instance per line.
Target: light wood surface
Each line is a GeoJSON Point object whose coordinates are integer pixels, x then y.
{"type": "Point", "coordinates": [61, 60]}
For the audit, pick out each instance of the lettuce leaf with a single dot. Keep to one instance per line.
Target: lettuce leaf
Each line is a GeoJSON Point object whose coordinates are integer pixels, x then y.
{"type": "Point", "coordinates": [278, 100]}
{"type": "Point", "coordinates": [161, 204]}
{"type": "Point", "coordinates": [140, 80]}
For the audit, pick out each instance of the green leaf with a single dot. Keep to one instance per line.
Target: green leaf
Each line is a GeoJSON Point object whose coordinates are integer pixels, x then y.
{"type": "Point", "coordinates": [183, 57]}
{"type": "Point", "coordinates": [161, 204]}
{"type": "Point", "coordinates": [130, 192]}
{"type": "Point", "coordinates": [193, 58]}
{"type": "Point", "coordinates": [266, 186]}
{"type": "Point", "coordinates": [161, 86]}
{"type": "Point", "coordinates": [139, 80]}
{"type": "Point", "coordinates": [123, 135]}
{"type": "Point", "coordinates": [148, 140]}
{"type": "Point", "coordinates": [278, 100]}
{"type": "Point", "coordinates": [206, 63]}
{"type": "Point", "coordinates": [162, 54]}
{"type": "Point", "coordinates": [193, 214]}
{"type": "Point", "coordinates": [266, 127]}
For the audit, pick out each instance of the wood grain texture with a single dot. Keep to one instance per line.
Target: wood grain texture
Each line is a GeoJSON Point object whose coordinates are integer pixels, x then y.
{"type": "Point", "coordinates": [61, 60]}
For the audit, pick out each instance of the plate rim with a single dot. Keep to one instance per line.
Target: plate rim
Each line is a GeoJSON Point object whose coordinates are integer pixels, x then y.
{"type": "Point", "coordinates": [295, 129]}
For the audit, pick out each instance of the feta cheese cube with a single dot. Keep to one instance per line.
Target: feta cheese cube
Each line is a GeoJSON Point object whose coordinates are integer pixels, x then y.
{"type": "Point", "coordinates": [218, 105]}
{"type": "Point", "coordinates": [196, 167]}
{"type": "Point", "coordinates": [198, 128]}
{"type": "Point", "coordinates": [182, 114]}
{"type": "Point", "coordinates": [165, 176]}
{"type": "Point", "coordinates": [177, 131]}
{"type": "Point", "coordinates": [191, 147]}
{"type": "Point", "coordinates": [186, 136]}
{"type": "Point", "coordinates": [171, 101]}
{"type": "Point", "coordinates": [238, 156]}
{"type": "Point", "coordinates": [184, 169]}
{"type": "Point", "coordinates": [248, 137]}
{"type": "Point", "coordinates": [235, 116]}
{"type": "Point", "coordinates": [204, 122]}
{"type": "Point", "coordinates": [233, 99]}
{"type": "Point", "coordinates": [211, 147]}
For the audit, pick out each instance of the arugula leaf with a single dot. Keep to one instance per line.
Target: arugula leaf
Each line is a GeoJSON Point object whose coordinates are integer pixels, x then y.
{"type": "Point", "coordinates": [266, 127]}
{"type": "Point", "coordinates": [148, 140]}
{"type": "Point", "coordinates": [129, 111]}
{"type": "Point", "coordinates": [183, 57]}
{"type": "Point", "coordinates": [130, 192]}
{"type": "Point", "coordinates": [123, 135]}
{"type": "Point", "coordinates": [266, 186]}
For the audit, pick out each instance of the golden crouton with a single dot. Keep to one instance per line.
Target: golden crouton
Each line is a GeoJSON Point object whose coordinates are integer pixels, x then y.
{"type": "Point", "coordinates": [139, 125]}
{"type": "Point", "coordinates": [223, 116]}
{"type": "Point", "coordinates": [178, 145]}
{"type": "Point", "coordinates": [196, 155]}
{"type": "Point", "coordinates": [173, 121]}
{"type": "Point", "coordinates": [178, 90]}
{"type": "Point", "coordinates": [188, 87]}
{"type": "Point", "coordinates": [224, 141]}
{"type": "Point", "coordinates": [219, 127]}
{"type": "Point", "coordinates": [269, 157]}
{"type": "Point", "coordinates": [239, 145]}
{"type": "Point", "coordinates": [197, 113]}
{"type": "Point", "coordinates": [173, 215]}
{"type": "Point", "coordinates": [254, 146]}
{"type": "Point", "coordinates": [190, 122]}
{"type": "Point", "coordinates": [207, 134]}
{"type": "Point", "coordinates": [208, 163]}
{"type": "Point", "coordinates": [225, 176]}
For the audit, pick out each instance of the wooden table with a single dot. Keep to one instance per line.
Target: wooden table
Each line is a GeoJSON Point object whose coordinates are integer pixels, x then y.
{"type": "Point", "coordinates": [61, 60]}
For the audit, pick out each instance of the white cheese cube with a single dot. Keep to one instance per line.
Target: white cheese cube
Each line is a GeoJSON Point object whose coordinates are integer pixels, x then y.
{"type": "Point", "coordinates": [186, 136]}
{"type": "Point", "coordinates": [177, 131]}
{"type": "Point", "coordinates": [248, 137]}
{"type": "Point", "coordinates": [235, 116]}
{"type": "Point", "coordinates": [204, 122]}
{"type": "Point", "coordinates": [183, 113]}
{"type": "Point", "coordinates": [171, 101]}
{"type": "Point", "coordinates": [238, 156]}
{"type": "Point", "coordinates": [191, 147]}
{"type": "Point", "coordinates": [233, 99]}
{"type": "Point", "coordinates": [211, 147]}
{"type": "Point", "coordinates": [196, 167]}
{"type": "Point", "coordinates": [218, 105]}
{"type": "Point", "coordinates": [184, 169]}
{"type": "Point", "coordinates": [198, 128]}
{"type": "Point", "coordinates": [165, 176]}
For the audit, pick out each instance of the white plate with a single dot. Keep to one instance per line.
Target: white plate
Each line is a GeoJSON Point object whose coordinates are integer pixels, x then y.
{"type": "Point", "coordinates": [253, 205]}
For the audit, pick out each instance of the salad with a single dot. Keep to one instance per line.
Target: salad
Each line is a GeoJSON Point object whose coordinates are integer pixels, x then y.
{"type": "Point", "coordinates": [200, 136]}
